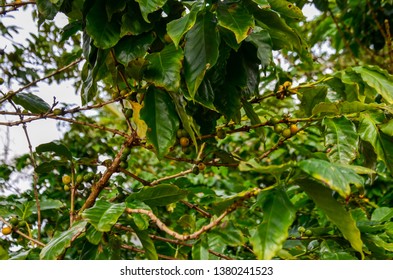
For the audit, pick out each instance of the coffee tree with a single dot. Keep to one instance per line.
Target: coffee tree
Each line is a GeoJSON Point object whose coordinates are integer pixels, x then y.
{"type": "Point", "coordinates": [207, 130]}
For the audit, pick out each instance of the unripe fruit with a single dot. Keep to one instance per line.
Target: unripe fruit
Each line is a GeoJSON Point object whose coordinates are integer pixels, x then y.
{"type": "Point", "coordinates": [57, 112]}
{"type": "Point", "coordinates": [14, 221]}
{"type": "Point", "coordinates": [294, 129]}
{"type": "Point", "coordinates": [79, 178]}
{"type": "Point", "coordinates": [127, 151]}
{"type": "Point", "coordinates": [88, 177]}
{"type": "Point", "coordinates": [66, 179]}
{"type": "Point", "coordinates": [201, 166]}
{"type": "Point", "coordinates": [128, 112]}
{"type": "Point", "coordinates": [308, 233]}
{"type": "Point", "coordinates": [301, 229]}
{"type": "Point", "coordinates": [221, 134]}
{"type": "Point", "coordinates": [274, 120]}
{"type": "Point", "coordinates": [22, 224]}
{"type": "Point", "coordinates": [195, 170]}
{"type": "Point", "coordinates": [66, 188]}
{"type": "Point", "coordinates": [278, 128]}
{"type": "Point", "coordinates": [184, 141]}
{"type": "Point", "coordinates": [123, 165]}
{"type": "Point", "coordinates": [6, 230]}
{"type": "Point", "coordinates": [287, 133]}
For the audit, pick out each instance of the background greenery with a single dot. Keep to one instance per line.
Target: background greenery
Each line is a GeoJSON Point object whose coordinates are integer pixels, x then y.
{"type": "Point", "coordinates": [208, 130]}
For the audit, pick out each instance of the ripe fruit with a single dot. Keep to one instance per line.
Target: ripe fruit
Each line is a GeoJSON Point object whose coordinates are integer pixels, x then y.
{"type": "Point", "coordinates": [201, 166]}
{"type": "Point", "coordinates": [221, 134]}
{"type": "Point", "coordinates": [293, 127]}
{"type": "Point", "coordinates": [66, 188]}
{"type": "Point", "coordinates": [6, 230]}
{"type": "Point", "coordinates": [66, 179]}
{"type": "Point", "coordinates": [287, 133]}
{"type": "Point", "coordinates": [184, 141]}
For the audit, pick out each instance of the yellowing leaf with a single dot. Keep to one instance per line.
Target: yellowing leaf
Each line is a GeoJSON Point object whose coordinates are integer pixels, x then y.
{"type": "Point", "coordinates": [141, 127]}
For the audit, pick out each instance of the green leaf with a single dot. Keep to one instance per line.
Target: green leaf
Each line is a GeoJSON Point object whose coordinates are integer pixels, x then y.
{"type": "Point", "coordinates": [382, 144]}
{"type": "Point", "coordinates": [164, 68]}
{"type": "Point", "coordinates": [3, 254]}
{"type": "Point", "coordinates": [178, 27]}
{"type": "Point", "coordinates": [342, 139]}
{"type": "Point", "coordinates": [160, 115]}
{"type": "Point", "coordinates": [312, 96]}
{"type": "Point", "coordinates": [334, 211]}
{"type": "Point", "coordinates": [200, 250]}
{"type": "Point", "coordinates": [206, 95]}
{"type": "Point", "coordinates": [330, 250]}
{"type": "Point", "coordinates": [103, 215]}
{"type": "Point", "coordinates": [231, 235]}
{"type": "Point", "coordinates": [57, 148]}
{"type": "Point", "coordinates": [263, 4]}
{"type": "Point", "coordinates": [262, 41]}
{"type": "Point", "coordinates": [113, 7]}
{"type": "Point", "coordinates": [254, 118]}
{"type": "Point", "coordinates": [387, 128]}
{"type": "Point", "coordinates": [159, 195]}
{"type": "Point", "coordinates": [335, 176]}
{"type": "Point", "coordinates": [147, 243]}
{"type": "Point", "coordinates": [149, 6]}
{"type": "Point", "coordinates": [200, 51]}
{"type": "Point", "coordinates": [235, 17]}
{"type": "Point", "coordinates": [105, 33]}
{"type": "Point", "coordinates": [132, 22]}
{"type": "Point", "coordinates": [94, 236]}
{"type": "Point", "coordinates": [47, 204]}
{"type": "Point", "coordinates": [378, 79]}
{"type": "Point", "coordinates": [326, 108]}
{"type": "Point", "coordinates": [252, 165]}
{"type": "Point", "coordinates": [31, 102]}
{"type": "Point", "coordinates": [382, 214]}
{"type": "Point", "coordinates": [49, 166]}
{"type": "Point", "coordinates": [270, 235]}
{"type": "Point", "coordinates": [133, 47]}
{"type": "Point", "coordinates": [286, 9]}
{"type": "Point", "coordinates": [377, 240]}
{"type": "Point", "coordinates": [46, 9]}
{"type": "Point", "coordinates": [62, 241]}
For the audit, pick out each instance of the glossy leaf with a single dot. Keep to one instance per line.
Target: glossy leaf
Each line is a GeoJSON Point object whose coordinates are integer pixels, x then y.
{"type": "Point", "coordinates": [48, 166]}
{"type": "Point", "coordinates": [133, 47]}
{"type": "Point", "coordinates": [378, 241]}
{"type": "Point", "coordinates": [57, 148]}
{"type": "Point", "coordinates": [263, 4]}
{"type": "Point", "coordinates": [236, 18]}
{"type": "Point", "coordinates": [330, 250]}
{"type": "Point", "coordinates": [382, 144]}
{"type": "Point", "coordinates": [160, 116]}
{"type": "Point", "coordinates": [262, 41]}
{"type": "Point", "coordinates": [252, 165]}
{"type": "Point", "coordinates": [335, 212]}
{"type": "Point", "coordinates": [94, 236]}
{"type": "Point", "coordinates": [254, 118]}
{"type": "Point", "coordinates": [113, 7]}
{"type": "Point", "coordinates": [149, 6]}
{"type": "Point", "coordinates": [159, 195]}
{"type": "Point", "coordinates": [200, 51]}
{"type": "Point", "coordinates": [271, 234]}
{"type": "Point", "coordinates": [200, 250]}
{"type": "Point", "coordinates": [178, 27]}
{"type": "Point", "coordinates": [47, 204]}
{"type": "Point", "coordinates": [311, 97]}
{"type": "Point", "coordinates": [105, 33]}
{"type": "Point", "coordinates": [334, 176]}
{"type": "Point", "coordinates": [46, 9]}
{"type": "Point", "coordinates": [31, 102]}
{"type": "Point", "coordinates": [147, 243]}
{"type": "Point", "coordinates": [387, 128]}
{"type": "Point", "coordinates": [286, 9]}
{"type": "Point", "coordinates": [378, 79]}
{"type": "Point", "coordinates": [58, 244]}
{"type": "Point", "coordinates": [164, 68]}
{"type": "Point", "coordinates": [132, 22]}
{"type": "Point", "coordinates": [231, 235]}
{"type": "Point", "coordinates": [382, 214]}
{"type": "Point", "coordinates": [341, 138]}
{"type": "Point", "coordinates": [103, 215]}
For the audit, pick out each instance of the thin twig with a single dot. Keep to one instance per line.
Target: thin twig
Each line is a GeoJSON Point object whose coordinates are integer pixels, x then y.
{"type": "Point", "coordinates": [132, 248]}
{"type": "Point", "coordinates": [39, 243]}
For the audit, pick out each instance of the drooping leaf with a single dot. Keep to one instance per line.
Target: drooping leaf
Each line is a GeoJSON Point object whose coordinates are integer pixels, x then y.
{"type": "Point", "coordinates": [382, 144]}
{"type": "Point", "coordinates": [378, 79]}
{"type": "Point", "coordinates": [286, 9]}
{"type": "Point", "coordinates": [141, 127]}
{"type": "Point", "coordinates": [132, 22]}
{"type": "Point", "coordinates": [335, 212]}
{"type": "Point", "coordinates": [159, 195]}
{"type": "Point", "coordinates": [341, 138]}
{"type": "Point", "coordinates": [330, 250]}
{"type": "Point", "coordinates": [113, 7]}
{"type": "Point", "coordinates": [103, 215]}
{"type": "Point", "coordinates": [231, 235]}
{"type": "Point", "coordinates": [271, 234]}
{"type": "Point", "coordinates": [104, 32]}
{"type": "Point", "coordinates": [334, 176]}
{"type": "Point", "coordinates": [235, 17]}
{"type": "Point", "coordinates": [262, 41]}
{"type": "Point", "coordinates": [149, 6]}
{"type": "Point", "coordinates": [47, 204]}
{"type": "Point", "coordinates": [312, 96]}
{"type": "Point", "coordinates": [58, 244]}
{"type": "Point", "coordinates": [378, 241]}
{"type": "Point", "coordinates": [94, 236]}
{"type": "Point", "coordinates": [387, 128]}
{"type": "Point", "coordinates": [133, 47]}
{"type": "Point", "coordinates": [47, 10]}
{"type": "Point", "coordinates": [200, 51]}
{"type": "Point", "coordinates": [382, 214]}
{"type": "Point", "coordinates": [57, 148]}
{"type": "Point", "coordinates": [178, 27]}
{"type": "Point", "coordinates": [254, 118]}
{"type": "Point", "coordinates": [160, 115]}
{"type": "Point", "coordinates": [252, 165]}
{"type": "Point", "coordinates": [164, 68]}
{"type": "Point", "coordinates": [48, 166]}
{"type": "Point", "coordinates": [200, 250]}
{"type": "Point", "coordinates": [147, 243]}
{"type": "Point", "coordinates": [31, 102]}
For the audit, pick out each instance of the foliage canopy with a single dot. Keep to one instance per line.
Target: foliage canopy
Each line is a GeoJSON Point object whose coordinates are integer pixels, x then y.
{"type": "Point", "coordinates": [207, 130]}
